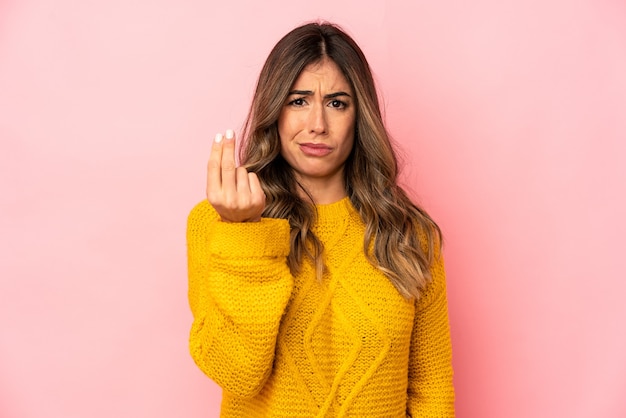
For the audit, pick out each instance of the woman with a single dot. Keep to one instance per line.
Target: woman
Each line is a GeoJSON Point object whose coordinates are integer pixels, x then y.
{"type": "Point", "coordinates": [317, 287]}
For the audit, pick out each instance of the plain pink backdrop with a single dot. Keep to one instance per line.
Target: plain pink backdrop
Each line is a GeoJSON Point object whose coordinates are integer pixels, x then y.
{"type": "Point", "coordinates": [512, 120]}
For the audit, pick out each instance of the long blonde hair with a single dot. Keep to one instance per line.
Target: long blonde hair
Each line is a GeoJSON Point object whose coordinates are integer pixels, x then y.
{"type": "Point", "coordinates": [400, 238]}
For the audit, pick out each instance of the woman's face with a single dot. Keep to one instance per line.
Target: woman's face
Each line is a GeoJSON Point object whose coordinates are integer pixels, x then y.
{"type": "Point", "coordinates": [316, 125]}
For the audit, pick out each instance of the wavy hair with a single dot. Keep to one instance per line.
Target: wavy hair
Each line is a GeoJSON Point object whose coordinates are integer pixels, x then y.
{"type": "Point", "coordinates": [400, 238]}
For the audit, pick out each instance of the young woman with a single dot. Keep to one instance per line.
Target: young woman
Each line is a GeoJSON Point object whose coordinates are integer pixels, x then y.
{"type": "Point", "coordinates": [317, 287]}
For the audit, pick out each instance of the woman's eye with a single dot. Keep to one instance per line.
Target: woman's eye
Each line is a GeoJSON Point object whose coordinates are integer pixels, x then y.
{"type": "Point", "coordinates": [338, 104]}
{"type": "Point", "coordinates": [297, 102]}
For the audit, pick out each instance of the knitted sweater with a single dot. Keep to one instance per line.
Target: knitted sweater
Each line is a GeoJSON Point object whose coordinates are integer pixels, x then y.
{"type": "Point", "coordinates": [284, 346]}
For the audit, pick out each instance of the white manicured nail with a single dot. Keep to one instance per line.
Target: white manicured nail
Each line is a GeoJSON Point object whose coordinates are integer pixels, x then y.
{"type": "Point", "coordinates": [218, 138]}
{"type": "Point", "coordinates": [229, 134]}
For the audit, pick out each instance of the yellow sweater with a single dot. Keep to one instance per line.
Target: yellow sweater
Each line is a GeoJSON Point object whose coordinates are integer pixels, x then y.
{"type": "Point", "coordinates": [284, 346]}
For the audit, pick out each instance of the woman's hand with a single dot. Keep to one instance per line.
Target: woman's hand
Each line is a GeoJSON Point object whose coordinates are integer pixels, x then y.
{"type": "Point", "coordinates": [235, 194]}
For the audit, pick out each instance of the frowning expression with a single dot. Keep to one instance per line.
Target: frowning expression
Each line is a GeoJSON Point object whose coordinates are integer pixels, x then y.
{"type": "Point", "coordinates": [316, 124]}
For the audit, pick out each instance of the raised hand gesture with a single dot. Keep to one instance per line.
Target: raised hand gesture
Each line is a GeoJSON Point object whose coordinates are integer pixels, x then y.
{"type": "Point", "coordinates": [235, 194]}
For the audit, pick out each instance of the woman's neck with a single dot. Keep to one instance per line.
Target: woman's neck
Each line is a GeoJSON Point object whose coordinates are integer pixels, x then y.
{"type": "Point", "coordinates": [323, 192]}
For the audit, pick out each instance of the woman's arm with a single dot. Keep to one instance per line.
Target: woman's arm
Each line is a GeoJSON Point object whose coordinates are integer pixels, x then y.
{"type": "Point", "coordinates": [431, 390]}
{"type": "Point", "coordinates": [239, 286]}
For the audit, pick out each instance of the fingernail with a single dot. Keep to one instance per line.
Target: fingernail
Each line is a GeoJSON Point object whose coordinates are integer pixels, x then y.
{"type": "Point", "coordinates": [229, 134]}
{"type": "Point", "coordinates": [218, 138]}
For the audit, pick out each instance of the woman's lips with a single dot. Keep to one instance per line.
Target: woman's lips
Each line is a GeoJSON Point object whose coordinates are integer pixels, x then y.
{"type": "Point", "coordinates": [315, 150]}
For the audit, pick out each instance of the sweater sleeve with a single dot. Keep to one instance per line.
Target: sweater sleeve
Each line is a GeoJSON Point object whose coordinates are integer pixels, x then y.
{"type": "Point", "coordinates": [239, 286]}
{"type": "Point", "coordinates": [431, 390]}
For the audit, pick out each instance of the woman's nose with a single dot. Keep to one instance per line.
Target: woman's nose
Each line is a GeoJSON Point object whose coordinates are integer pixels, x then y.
{"type": "Point", "coordinates": [317, 120]}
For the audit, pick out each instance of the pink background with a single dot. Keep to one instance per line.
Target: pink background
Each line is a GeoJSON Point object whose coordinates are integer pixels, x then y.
{"type": "Point", "coordinates": [512, 118]}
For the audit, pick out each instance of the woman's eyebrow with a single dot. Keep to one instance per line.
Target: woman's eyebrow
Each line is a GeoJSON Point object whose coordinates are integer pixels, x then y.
{"type": "Point", "coordinates": [301, 92]}
{"type": "Point", "coordinates": [310, 92]}
{"type": "Point", "coordinates": [337, 94]}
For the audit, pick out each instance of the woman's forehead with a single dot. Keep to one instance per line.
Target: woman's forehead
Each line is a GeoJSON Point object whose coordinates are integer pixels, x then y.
{"type": "Point", "coordinates": [325, 73]}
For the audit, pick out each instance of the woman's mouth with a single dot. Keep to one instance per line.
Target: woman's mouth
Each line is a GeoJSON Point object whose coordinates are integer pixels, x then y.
{"type": "Point", "coordinates": [315, 150]}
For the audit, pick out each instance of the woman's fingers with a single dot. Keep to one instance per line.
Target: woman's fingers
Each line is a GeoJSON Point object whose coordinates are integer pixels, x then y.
{"type": "Point", "coordinates": [234, 193]}
{"type": "Point", "coordinates": [214, 168]}
{"type": "Point", "coordinates": [257, 196]}
{"type": "Point", "coordinates": [229, 183]}
{"type": "Point", "coordinates": [243, 188]}
{"type": "Point", "coordinates": [221, 183]}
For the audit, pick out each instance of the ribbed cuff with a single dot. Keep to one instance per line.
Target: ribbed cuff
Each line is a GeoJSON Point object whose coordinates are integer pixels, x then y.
{"type": "Point", "coordinates": [267, 238]}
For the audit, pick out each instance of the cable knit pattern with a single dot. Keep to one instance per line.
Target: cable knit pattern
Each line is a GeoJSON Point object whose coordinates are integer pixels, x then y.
{"type": "Point", "coordinates": [283, 346]}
